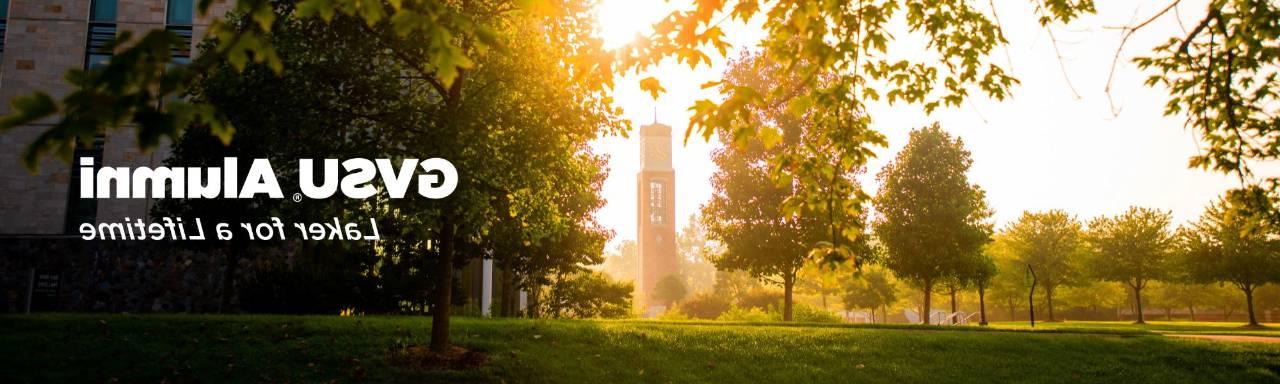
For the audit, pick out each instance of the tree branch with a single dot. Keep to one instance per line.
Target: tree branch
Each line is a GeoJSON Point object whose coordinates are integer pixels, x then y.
{"type": "Point", "coordinates": [1128, 32]}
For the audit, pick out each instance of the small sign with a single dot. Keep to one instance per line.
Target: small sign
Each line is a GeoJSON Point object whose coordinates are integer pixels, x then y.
{"type": "Point", "coordinates": [44, 293]}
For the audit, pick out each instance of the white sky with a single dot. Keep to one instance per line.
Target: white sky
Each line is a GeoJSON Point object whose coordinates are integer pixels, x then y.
{"type": "Point", "coordinates": [1043, 149]}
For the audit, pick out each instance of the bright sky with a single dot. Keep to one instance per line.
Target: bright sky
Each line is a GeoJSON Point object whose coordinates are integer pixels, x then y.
{"type": "Point", "coordinates": [1043, 149]}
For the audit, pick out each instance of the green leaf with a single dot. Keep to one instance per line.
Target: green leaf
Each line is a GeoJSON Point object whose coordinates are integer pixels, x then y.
{"type": "Point", "coordinates": [28, 108]}
{"type": "Point", "coordinates": [309, 8]}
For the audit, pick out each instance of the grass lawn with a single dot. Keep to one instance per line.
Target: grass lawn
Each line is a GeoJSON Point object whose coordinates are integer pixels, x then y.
{"type": "Point", "coordinates": [191, 348]}
{"type": "Point", "coordinates": [1167, 327]}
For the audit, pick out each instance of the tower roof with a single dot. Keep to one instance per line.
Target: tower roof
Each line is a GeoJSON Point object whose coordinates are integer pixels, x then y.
{"type": "Point", "coordinates": [655, 129]}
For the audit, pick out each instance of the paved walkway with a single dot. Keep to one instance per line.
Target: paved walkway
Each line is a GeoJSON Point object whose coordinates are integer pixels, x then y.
{"type": "Point", "coordinates": [1234, 338]}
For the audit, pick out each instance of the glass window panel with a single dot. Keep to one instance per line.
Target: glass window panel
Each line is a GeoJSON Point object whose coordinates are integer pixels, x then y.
{"type": "Point", "coordinates": [181, 12]}
{"type": "Point", "coordinates": [79, 210]}
{"type": "Point", "coordinates": [103, 10]}
{"type": "Point", "coordinates": [182, 46]}
{"type": "Point", "coordinates": [97, 53]}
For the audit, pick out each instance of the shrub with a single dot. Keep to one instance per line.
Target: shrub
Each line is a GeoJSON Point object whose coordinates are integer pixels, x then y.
{"type": "Point", "coordinates": [705, 306]}
{"type": "Point", "coordinates": [736, 313]}
{"type": "Point", "coordinates": [587, 294]}
{"type": "Point", "coordinates": [670, 290]}
{"type": "Point", "coordinates": [761, 299]}
{"type": "Point", "coordinates": [673, 314]}
{"type": "Point", "coordinates": [811, 314]}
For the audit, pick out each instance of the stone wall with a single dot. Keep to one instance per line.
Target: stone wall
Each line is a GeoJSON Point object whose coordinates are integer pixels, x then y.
{"type": "Point", "coordinates": [111, 276]}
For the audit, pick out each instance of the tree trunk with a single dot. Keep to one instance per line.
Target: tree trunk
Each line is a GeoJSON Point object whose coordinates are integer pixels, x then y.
{"type": "Point", "coordinates": [982, 305]}
{"type": "Point", "coordinates": [1248, 298]}
{"type": "Point", "coordinates": [1137, 299]}
{"type": "Point", "coordinates": [229, 272]}
{"type": "Point", "coordinates": [1168, 314]}
{"type": "Point", "coordinates": [1048, 294]}
{"type": "Point", "coordinates": [788, 285]}
{"type": "Point", "coordinates": [508, 297]}
{"type": "Point", "coordinates": [824, 300]}
{"type": "Point", "coordinates": [884, 313]}
{"type": "Point", "coordinates": [1192, 309]}
{"type": "Point", "coordinates": [953, 306]}
{"type": "Point", "coordinates": [924, 310]}
{"type": "Point", "coordinates": [443, 302]}
{"type": "Point", "coordinates": [1013, 310]}
{"type": "Point", "coordinates": [535, 301]}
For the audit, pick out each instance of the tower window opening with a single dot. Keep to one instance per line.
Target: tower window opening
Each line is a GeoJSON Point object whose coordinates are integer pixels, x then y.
{"type": "Point", "coordinates": [655, 202]}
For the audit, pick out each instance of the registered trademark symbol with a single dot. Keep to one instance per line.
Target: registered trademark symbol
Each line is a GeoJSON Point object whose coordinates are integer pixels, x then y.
{"type": "Point", "coordinates": [297, 197]}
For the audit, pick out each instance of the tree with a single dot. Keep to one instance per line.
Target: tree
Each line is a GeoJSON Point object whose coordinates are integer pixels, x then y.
{"type": "Point", "coordinates": [291, 116]}
{"type": "Point", "coordinates": [733, 284]}
{"type": "Point", "coordinates": [1221, 76]}
{"type": "Point", "coordinates": [874, 290]}
{"type": "Point", "coordinates": [484, 124]}
{"type": "Point", "coordinates": [670, 290]}
{"type": "Point", "coordinates": [751, 219]}
{"type": "Point", "coordinates": [1093, 295]}
{"type": "Point", "coordinates": [1008, 288]}
{"type": "Point", "coordinates": [973, 271]}
{"type": "Point", "coordinates": [1232, 244]}
{"type": "Point", "coordinates": [1187, 296]}
{"type": "Point", "coordinates": [1133, 248]}
{"type": "Point", "coordinates": [823, 281]}
{"type": "Point", "coordinates": [983, 271]}
{"type": "Point", "coordinates": [694, 247]}
{"type": "Point", "coordinates": [932, 221]}
{"type": "Point", "coordinates": [844, 55]}
{"type": "Point", "coordinates": [1050, 242]}
{"type": "Point", "coordinates": [621, 263]}
{"type": "Point", "coordinates": [1266, 297]}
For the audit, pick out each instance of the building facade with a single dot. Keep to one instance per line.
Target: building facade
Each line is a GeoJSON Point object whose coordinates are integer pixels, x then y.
{"type": "Point", "coordinates": [40, 253]}
{"type": "Point", "coordinates": [656, 210]}
{"type": "Point", "coordinates": [42, 40]}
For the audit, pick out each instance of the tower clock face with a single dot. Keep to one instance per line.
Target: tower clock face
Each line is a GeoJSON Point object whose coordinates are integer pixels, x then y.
{"type": "Point", "coordinates": [656, 154]}
{"type": "Point", "coordinates": [661, 151]}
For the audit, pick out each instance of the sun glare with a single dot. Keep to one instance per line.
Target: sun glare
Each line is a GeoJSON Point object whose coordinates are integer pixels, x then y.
{"type": "Point", "coordinates": [619, 21]}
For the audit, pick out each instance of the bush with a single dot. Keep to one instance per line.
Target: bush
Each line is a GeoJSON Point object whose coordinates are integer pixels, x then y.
{"type": "Point", "coordinates": [673, 314]}
{"type": "Point", "coordinates": [706, 306]}
{"type": "Point", "coordinates": [761, 298]}
{"type": "Point", "coordinates": [588, 294]}
{"type": "Point", "coordinates": [670, 290]}
{"type": "Point", "coordinates": [811, 314]}
{"type": "Point", "coordinates": [736, 313]}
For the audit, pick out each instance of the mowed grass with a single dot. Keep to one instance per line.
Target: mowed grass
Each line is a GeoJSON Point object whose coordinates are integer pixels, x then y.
{"type": "Point", "coordinates": [1164, 327]}
{"type": "Point", "coordinates": [216, 349]}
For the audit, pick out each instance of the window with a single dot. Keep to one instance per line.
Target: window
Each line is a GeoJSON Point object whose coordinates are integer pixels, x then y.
{"type": "Point", "coordinates": [178, 20]}
{"type": "Point", "coordinates": [180, 12]}
{"type": "Point", "coordinates": [655, 203]}
{"type": "Point", "coordinates": [181, 51]}
{"type": "Point", "coordinates": [79, 210]}
{"type": "Point", "coordinates": [102, 29]}
{"type": "Point", "coordinates": [102, 10]}
{"type": "Point", "coordinates": [4, 24]}
{"type": "Point", "coordinates": [98, 52]}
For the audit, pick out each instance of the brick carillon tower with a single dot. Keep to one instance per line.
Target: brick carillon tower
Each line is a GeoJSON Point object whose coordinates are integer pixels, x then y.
{"type": "Point", "coordinates": [655, 210]}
